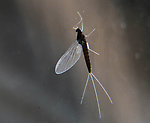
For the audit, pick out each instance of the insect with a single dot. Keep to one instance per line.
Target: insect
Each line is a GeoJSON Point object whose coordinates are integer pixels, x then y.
{"type": "Point", "coordinates": [73, 54]}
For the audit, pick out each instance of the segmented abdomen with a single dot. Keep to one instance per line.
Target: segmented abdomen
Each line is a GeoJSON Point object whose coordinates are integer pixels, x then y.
{"type": "Point", "coordinates": [86, 55]}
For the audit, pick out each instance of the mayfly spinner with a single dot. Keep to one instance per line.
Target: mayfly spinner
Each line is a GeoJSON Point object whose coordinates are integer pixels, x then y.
{"type": "Point", "coordinates": [73, 54]}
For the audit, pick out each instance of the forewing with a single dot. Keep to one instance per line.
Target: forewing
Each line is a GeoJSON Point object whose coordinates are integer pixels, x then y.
{"type": "Point", "coordinates": [70, 57]}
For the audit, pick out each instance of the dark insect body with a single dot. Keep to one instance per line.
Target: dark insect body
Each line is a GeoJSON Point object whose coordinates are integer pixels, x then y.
{"type": "Point", "coordinates": [73, 54]}
{"type": "Point", "coordinates": [81, 40]}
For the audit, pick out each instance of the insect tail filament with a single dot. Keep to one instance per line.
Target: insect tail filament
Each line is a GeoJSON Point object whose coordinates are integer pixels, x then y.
{"type": "Point", "coordinates": [102, 88]}
{"type": "Point", "coordinates": [85, 89]}
{"type": "Point", "coordinates": [98, 105]}
{"type": "Point", "coordinates": [92, 76]}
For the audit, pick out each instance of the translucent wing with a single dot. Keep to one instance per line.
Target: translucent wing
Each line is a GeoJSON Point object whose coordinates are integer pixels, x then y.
{"type": "Point", "coordinates": [70, 57]}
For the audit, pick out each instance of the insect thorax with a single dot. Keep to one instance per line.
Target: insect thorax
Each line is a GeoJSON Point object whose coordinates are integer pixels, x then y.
{"type": "Point", "coordinates": [80, 36]}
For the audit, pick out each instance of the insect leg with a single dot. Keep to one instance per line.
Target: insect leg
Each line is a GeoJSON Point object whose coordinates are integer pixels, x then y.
{"type": "Point", "coordinates": [76, 26]}
{"type": "Point", "coordinates": [91, 49]}
{"type": "Point", "coordinates": [90, 33]}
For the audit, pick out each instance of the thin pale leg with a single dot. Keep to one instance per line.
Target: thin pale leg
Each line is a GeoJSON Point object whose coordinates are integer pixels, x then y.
{"type": "Point", "coordinates": [90, 33]}
{"type": "Point", "coordinates": [91, 49]}
{"type": "Point", "coordinates": [85, 89]}
{"type": "Point", "coordinates": [99, 110]}
{"type": "Point", "coordinates": [82, 26]}
{"type": "Point", "coordinates": [80, 20]}
{"type": "Point", "coordinates": [102, 88]}
{"type": "Point", "coordinates": [76, 26]}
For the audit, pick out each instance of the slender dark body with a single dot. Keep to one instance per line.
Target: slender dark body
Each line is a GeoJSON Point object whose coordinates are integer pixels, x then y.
{"type": "Point", "coordinates": [81, 40]}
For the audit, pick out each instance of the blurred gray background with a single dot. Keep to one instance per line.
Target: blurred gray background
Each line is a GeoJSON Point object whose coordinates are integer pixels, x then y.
{"type": "Point", "coordinates": [34, 34]}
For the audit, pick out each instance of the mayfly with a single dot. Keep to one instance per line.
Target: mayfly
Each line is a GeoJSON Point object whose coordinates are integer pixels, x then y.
{"type": "Point", "coordinates": [73, 54]}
